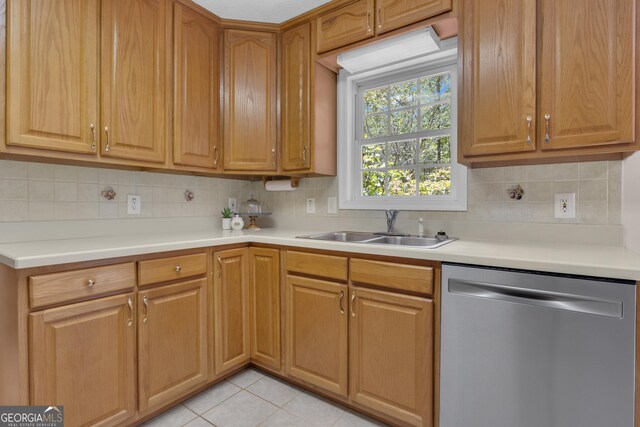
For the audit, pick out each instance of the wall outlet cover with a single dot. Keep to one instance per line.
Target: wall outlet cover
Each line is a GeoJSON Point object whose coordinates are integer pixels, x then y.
{"type": "Point", "coordinates": [232, 204]}
{"type": "Point", "coordinates": [565, 205]}
{"type": "Point", "coordinates": [311, 205]}
{"type": "Point", "coordinates": [332, 205]}
{"type": "Point", "coordinates": [134, 204]}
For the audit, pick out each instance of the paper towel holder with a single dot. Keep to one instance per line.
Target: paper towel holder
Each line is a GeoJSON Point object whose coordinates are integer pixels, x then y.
{"type": "Point", "coordinates": [295, 181]}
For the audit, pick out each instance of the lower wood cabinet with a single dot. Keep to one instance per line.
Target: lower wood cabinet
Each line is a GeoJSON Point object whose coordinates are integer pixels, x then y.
{"type": "Point", "coordinates": [391, 354]}
{"type": "Point", "coordinates": [172, 342]}
{"type": "Point", "coordinates": [317, 333]}
{"type": "Point", "coordinates": [83, 356]}
{"type": "Point", "coordinates": [264, 298]}
{"type": "Point", "coordinates": [231, 309]}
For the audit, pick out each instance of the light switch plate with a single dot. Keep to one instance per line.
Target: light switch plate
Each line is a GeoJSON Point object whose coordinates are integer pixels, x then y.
{"type": "Point", "coordinates": [565, 205]}
{"type": "Point", "coordinates": [311, 205]}
{"type": "Point", "coordinates": [134, 204]}
{"type": "Point", "coordinates": [332, 205]}
{"type": "Point", "coordinates": [231, 202]}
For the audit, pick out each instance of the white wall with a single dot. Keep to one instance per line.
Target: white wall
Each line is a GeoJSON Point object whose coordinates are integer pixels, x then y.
{"type": "Point", "coordinates": [631, 202]}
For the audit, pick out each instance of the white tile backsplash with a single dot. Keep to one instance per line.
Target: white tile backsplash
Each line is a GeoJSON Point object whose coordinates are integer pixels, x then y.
{"type": "Point", "coordinates": [47, 192]}
{"type": "Point", "coordinates": [41, 192]}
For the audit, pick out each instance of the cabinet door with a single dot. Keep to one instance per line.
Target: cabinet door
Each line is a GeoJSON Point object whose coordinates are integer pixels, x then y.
{"type": "Point", "coordinates": [344, 26]}
{"type": "Point", "coordinates": [136, 61]}
{"type": "Point", "coordinates": [391, 354]}
{"type": "Point", "coordinates": [497, 108]}
{"type": "Point", "coordinates": [196, 83]}
{"type": "Point", "coordinates": [250, 85]}
{"type": "Point", "coordinates": [231, 309]}
{"type": "Point", "coordinates": [296, 98]}
{"type": "Point", "coordinates": [587, 73]}
{"type": "Point", "coordinates": [52, 86]}
{"type": "Point", "coordinates": [317, 330]}
{"type": "Point", "coordinates": [392, 14]}
{"type": "Point", "coordinates": [172, 342]}
{"type": "Point", "coordinates": [83, 357]}
{"type": "Point", "coordinates": [265, 307]}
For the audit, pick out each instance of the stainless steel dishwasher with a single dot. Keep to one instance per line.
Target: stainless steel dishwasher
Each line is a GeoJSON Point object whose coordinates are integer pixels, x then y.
{"type": "Point", "coordinates": [524, 349]}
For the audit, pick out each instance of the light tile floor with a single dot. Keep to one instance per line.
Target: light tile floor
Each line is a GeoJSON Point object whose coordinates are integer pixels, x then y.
{"type": "Point", "coordinates": [251, 398]}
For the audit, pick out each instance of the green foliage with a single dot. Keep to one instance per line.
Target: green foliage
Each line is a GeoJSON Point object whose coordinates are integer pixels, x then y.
{"type": "Point", "coordinates": [435, 181]}
{"type": "Point", "coordinates": [376, 100]}
{"type": "Point", "coordinates": [436, 116]}
{"type": "Point", "coordinates": [373, 183]}
{"type": "Point", "coordinates": [226, 213]}
{"type": "Point", "coordinates": [375, 126]}
{"type": "Point", "coordinates": [435, 150]}
{"type": "Point", "coordinates": [373, 156]}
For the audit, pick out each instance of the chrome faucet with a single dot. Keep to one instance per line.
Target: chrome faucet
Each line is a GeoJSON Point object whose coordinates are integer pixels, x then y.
{"type": "Point", "coordinates": [391, 220]}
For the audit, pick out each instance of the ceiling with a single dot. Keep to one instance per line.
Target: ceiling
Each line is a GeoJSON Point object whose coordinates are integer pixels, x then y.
{"type": "Point", "coordinates": [274, 11]}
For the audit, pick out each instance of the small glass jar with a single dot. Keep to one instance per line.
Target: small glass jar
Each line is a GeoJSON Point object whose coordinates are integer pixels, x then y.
{"type": "Point", "coordinates": [252, 206]}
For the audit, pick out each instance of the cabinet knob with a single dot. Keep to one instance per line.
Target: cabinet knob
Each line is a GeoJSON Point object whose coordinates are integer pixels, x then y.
{"type": "Point", "coordinates": [91, 282]}
{"type": "Point", "coordinates": [178, 269]}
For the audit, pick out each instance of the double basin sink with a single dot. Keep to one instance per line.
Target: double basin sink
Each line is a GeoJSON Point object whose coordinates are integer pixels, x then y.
{"type": "Point", "coordinates": [380, 239]}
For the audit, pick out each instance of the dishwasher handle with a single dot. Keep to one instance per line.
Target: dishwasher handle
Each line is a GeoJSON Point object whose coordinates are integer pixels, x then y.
{"type": "Point", "coordinates": [538, 298]}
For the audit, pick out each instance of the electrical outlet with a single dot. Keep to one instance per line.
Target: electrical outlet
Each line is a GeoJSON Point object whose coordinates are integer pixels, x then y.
{"type": "Point", "coordinates": [332, 205]}
{"type": "Point", "coordinates": [565, 205]}
{"type": "Point", "coordinates": [232, 204]}
{"type": "Point", "coordinates": [311, 205]}
{"type": "Point", "coordinates": [134, 204]}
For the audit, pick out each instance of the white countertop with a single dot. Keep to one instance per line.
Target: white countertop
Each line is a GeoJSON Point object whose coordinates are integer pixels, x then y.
{"type": "Point", "coordinates": [588, 260]}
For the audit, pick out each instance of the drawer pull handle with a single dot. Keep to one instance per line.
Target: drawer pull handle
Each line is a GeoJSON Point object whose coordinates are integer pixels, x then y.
{"type": "Point", "coordinates": [178, 269]}
{"type": "Point", "coordinates": [145, 316]}
{"type": "Point", "coordinates": [107, 147]}
{"type": "Point", "coordinates": [93, 136]}
{"type": "Point", "coordinates": [341, 303]}
{"type": "Point", "coordinates": [130, 320]}
{"type": "Point", "coordinates": [547, 118]}
{"type": "Point", "coordinates": [353, 300]}
{"type": "Point", "coordinates": [90, 283]}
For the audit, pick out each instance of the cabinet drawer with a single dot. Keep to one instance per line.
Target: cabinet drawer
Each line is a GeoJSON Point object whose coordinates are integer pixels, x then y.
{"type": "Point", "coordinates": [404, 277]}
{"type": "Point", "coordinates": [328, 266]}
{"type": "Point", "coordinates": [54, 288]}
{"type": "Point", "coordinates": [344, 26]}
{"type": "Point", "coordinates": [166, 269]}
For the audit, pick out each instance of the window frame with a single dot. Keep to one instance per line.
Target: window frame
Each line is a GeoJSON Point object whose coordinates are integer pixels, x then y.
{"type": "Point", "coordinates": [350, 124]}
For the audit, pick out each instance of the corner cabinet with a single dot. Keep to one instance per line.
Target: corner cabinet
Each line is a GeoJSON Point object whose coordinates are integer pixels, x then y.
{"type": "Point", "coordinates": [577, 101]}
{"type": "Point", "coordinates": [52, 99]}
{"type": "Point", "coordinates": [264, 305]}
{"type": "Point", "coordinates": [250, 101]}
{"type": "Point", "coordinates": [96, 339]}
{"type": "Point", "coordinates": [308, 103]}
{"type": "Point", "coordinates": [135, 85]}
{"type": "Point", "coordinates": [231, 309]}
{"type": "Point", "coordinates": [196, 89]}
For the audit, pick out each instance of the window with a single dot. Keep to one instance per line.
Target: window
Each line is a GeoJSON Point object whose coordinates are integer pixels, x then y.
{"type": "Point", "coordinates": [398, 135]}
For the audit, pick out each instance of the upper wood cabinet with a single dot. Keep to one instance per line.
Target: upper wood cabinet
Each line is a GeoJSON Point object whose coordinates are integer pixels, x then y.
{"type": "Point", "coordinates": [317, 329]}
{"type": "Point", "coordinates": [346, 25]}
{"type": "Point", "coordinates": [264, 298]}
{"type": "Point", "coordinates": [83, 356]}
{"type": "Point", "coordinates": [587, 73]}
{"type": "Point", "coordinates": [392, 14]}
{"type": "Point", "coordinates": [296, 98]}
{"type": "Point", "coordinates": [231, 309]}
{"type": "Point", "coordinates": [250, 101]}
{"type": "Point", "coordinates": [498, 99]}
{"type": "Point", "coordinates": [308, 104]}
{"type": "Point", "coordinates": [391, 354]}
{"type": "Point", "coordinates": [579, 102]}
{"type": "Point", "coordinates": [172, 342]}
{"type": "Point", "coordinates": [196, 89]}
{"type": "Point", "coordinates": [52, 75]}
{"type": "Point", "coordinates": [135, 86]}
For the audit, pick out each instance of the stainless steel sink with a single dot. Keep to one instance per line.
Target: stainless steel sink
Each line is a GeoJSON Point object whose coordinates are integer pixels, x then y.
{"type": "Point", "coordinates": [377, 239]}
{"type": "Point", "coordinates": [342, 236]}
